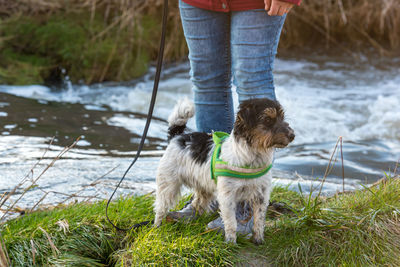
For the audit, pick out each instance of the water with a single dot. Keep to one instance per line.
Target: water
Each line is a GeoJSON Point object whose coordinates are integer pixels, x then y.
{"type": "Point", "coordinates": [324, 98]}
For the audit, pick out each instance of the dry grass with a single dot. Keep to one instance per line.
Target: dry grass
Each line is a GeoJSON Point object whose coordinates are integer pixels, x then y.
{"type": "Point", "coordinates": [116, 40]}
{"type": "Point", "coordinates": [339, 23]}
{"type": "Point", "coordinates": [332, 23]}
{"type": "Point", "coordinates": [4, 259]}
{"type": "Point", "coordinates": [9, 201]}
{"type": "Point", "coordinates": [117, 14]}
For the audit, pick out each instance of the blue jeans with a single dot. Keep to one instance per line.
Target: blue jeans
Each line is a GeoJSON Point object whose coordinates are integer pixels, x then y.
{"type": "Point", "coordinates": [240, 45]}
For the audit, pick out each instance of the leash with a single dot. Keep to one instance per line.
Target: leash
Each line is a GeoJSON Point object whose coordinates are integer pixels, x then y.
{"type": "Point", "coordinates": [149, 116]}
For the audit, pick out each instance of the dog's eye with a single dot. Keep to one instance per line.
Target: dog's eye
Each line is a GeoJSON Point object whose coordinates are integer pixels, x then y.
{"type": "Point", "coordinates": [268, 120]}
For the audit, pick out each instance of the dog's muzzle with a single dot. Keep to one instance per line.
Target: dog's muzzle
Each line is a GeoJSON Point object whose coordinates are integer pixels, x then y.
{"type": "Point", "coordinates": [284, 137]}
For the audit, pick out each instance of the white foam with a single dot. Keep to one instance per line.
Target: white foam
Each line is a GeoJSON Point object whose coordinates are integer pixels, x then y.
{"type": "Point", "coordinates": [383, 120]}
{"type": "Point", "coordinates": [29, 91]}
{"type": "Point", "coordinates": [340, 103]}
{"type": "Point", "coordinates": [10, 126]}
{"type": "Point", "coordinates": [95, 107]}
{"type": "Point", "coordinates": [83, 143]}
{"type": "Point", "coordinates": [135, 125]}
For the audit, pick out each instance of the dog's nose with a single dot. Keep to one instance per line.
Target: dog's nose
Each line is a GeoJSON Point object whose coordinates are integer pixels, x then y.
{"type": "Point", "coordinates": [291, 136]}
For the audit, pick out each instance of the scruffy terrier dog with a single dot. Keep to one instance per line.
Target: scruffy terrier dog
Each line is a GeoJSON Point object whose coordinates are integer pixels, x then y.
{"type": "Point", "coordinates": [259, 129]}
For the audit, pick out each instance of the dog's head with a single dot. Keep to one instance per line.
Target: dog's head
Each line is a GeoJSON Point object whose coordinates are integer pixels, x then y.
{"type": "Point", "coordinates": [261, 122]}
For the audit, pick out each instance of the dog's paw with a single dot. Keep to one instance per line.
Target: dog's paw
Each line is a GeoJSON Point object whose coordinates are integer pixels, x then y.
{"type": "Point", "coordinates": [257, 241]}
{"type": "Point", "coordinates": [230, 239]}
{"type": "Point", "coordinates": [157, 222]}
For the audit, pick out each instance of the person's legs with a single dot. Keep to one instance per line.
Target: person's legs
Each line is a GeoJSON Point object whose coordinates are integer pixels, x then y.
{"type": "Point", "coordinates": [254, 41]}
{"type": "Point", "coordinates": [207, 35]}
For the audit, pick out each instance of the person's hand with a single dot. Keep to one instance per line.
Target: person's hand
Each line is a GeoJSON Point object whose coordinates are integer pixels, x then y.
{"type": "Point", "coordinates": [276, 7]}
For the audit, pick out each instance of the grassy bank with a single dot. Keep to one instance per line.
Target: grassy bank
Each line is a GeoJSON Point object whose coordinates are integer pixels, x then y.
{"type": "Point", "coordinates": [42, 41]}
{"type": "Point", "coordinates": [352, 229]}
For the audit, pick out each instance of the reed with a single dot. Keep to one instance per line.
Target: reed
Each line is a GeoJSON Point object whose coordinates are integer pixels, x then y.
{"type": "Point", "coordinates": [94, 41]}
{"type": "Point", "coordinates": [350, 24]}
{"type": "Point", "coordinates": [4, 259]}
{"type": "Point", "coordinates": [9, 201]}
{"type": "Point", "coordinates": [98, 40]}
{"type": "Point", "coordinates": [350, 21]}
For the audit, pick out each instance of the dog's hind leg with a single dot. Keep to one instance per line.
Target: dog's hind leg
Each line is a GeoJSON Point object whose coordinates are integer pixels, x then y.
{"type": "Point", "coordinates": [167, 193]}
{"type": "Point", "coordinates": [202, 201]}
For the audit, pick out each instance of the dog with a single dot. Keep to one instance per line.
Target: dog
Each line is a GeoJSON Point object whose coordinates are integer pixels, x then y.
{"type": "Point", "coordinates": [259, 128]}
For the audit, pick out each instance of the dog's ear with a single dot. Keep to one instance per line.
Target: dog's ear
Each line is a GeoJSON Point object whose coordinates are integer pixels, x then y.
{"type": "Point", "coordinates": [247, 116]}
{"type": "Point", "coordinates": [245, 120]}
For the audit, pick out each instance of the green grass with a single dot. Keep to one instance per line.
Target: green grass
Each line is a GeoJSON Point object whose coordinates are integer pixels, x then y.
{"type": "Point", "coordinates": [352, 229]}
{"type": "Point", "coordinates": [91, 241]}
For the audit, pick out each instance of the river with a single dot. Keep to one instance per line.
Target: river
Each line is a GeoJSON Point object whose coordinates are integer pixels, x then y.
{"type": "Point", "coordinates": [324, 97]}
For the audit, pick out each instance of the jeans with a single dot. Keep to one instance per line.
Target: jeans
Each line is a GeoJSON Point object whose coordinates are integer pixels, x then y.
{"type": "Point", "coordinates": [241, 45]}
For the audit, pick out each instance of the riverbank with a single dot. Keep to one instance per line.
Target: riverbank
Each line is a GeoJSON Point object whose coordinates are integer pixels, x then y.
{"type": "Point", "coordinates": [352, 229]}
{"type": "Point", "coordinates": [92, 41]}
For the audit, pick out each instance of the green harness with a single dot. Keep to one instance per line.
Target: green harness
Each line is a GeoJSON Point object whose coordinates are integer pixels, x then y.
{"type": "Point", "coordinates": [222, 168]}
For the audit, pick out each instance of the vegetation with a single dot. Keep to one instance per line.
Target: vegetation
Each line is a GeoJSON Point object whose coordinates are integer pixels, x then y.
{"type": "Point", "coordinates": [351, 229]}
{"type": "Point", "coordinates": [91, 41]}
{"type": "Point", "coordinates": [347, 25]}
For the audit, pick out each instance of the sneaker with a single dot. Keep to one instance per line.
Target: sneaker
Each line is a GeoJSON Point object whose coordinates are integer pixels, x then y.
{"type": "Point", "coordinates": [188, 213]}
{"type": "Point", "coordinates": [244, 219]}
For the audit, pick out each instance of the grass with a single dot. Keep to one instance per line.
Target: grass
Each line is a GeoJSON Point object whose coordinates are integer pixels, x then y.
{"type": "Point", "coordinates": [96, 40]}
{"type": "Point", "coordinates": [352, 229]}
{"type": "Point", "coordinates": [80, 236]}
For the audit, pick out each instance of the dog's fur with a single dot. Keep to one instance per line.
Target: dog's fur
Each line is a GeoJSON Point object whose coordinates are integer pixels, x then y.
{"type": "Point", "coordinates": [259, 128]}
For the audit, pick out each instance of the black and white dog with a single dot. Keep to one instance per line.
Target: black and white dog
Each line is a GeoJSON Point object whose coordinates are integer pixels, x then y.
{"type": "Point", "coordinates": [259, 129]}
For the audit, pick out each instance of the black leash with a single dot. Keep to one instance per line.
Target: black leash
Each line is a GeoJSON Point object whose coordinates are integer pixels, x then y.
{"type": "Point", "coordinates": [149, 116]}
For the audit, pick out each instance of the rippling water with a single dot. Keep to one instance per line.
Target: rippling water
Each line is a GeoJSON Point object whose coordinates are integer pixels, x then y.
{"type": "Point", "coordinates": [324, 98]}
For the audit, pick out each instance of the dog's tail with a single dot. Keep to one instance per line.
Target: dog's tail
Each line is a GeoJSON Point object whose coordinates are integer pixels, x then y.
{"type": "Point", "coordinates": [182, 112]}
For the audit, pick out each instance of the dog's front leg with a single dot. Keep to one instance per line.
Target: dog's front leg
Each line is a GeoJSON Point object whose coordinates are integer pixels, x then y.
{"type": "Point", "coordinates": [259, 211]}
{"type": "Point", "coordinates": [227, 205]}
{"type": "Point", "coordinates": [260, 204]}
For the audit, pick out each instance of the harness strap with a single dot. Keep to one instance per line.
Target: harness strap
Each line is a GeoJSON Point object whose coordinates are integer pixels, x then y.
{"type": "Point", "coordinates": [223, 168]}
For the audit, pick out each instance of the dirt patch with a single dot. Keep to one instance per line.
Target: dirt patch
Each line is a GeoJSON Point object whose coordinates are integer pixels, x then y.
{"type": "Point", "coordinates": [251, 258]}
